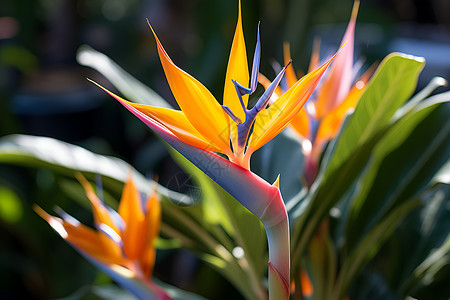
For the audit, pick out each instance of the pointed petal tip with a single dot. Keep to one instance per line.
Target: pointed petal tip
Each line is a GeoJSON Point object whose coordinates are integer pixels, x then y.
{"type": "Point", "coordinates": [277, 182]}
{"type": "Point", "coordinates": [83, 181]}
{"type": "Point", "coordinates": [239, 9]}
{"type": "Point", "coordinates": [54, 222]}
{"type": "Point", "coordinates": [151, 28]}
{"type": "Point", "coordinates": [355, 10]}
{"type": "Point", "coordinates": [42, 213]}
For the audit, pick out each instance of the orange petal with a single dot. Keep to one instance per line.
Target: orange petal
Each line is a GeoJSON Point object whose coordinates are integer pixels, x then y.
{"type": "Point", "coordinates": [101, 213]}
{"type": "Point", "coordinates": [81, 237]}
{"type": "Point", "coordinates": [197, 103]}
{"type": "Point", "coordinates": [300, 123]}
{"type": "Point", "coordinates": [237, 70]}
{"type": "Point", "coordinates": [177, 122]}
{"type": "Point", "coordinates": [291, 78]}
{"type": "Point", "coordinates": [130, 209]}
{"type": "Point", "coordinates": [102, 217]}
{"type": "Point", "coordinates": [152, 224]}
{"type": "Point", "coordinates": [274, 119]}
{"type": "Point", "coordinates": [315, 55]}
{"type": "Point", "coordinates": [331, 123]}
{"type": "Point", "coordinates": [307, 287]}
{"type": "Point", "coordinates": [338, 81]}
{"type": "Point", "coordinates": [173, 120]}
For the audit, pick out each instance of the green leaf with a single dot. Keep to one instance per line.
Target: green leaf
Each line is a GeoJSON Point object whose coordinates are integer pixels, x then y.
{"type": "Point", "coordinates": [130, 87]}
{"type": "Point", "coordinates": [443, 175]}
{"type": "Point", "coordinates": [11, 209]}
{"type": "Point", "coordinates": [432, 275]}
{"type": "Point", "coordinates": [107, 291]}
{"type": "Point", "coordinates": [369, 246]}
{"type": "Point", "coordinates": [415, 260]}
{"type": "Point", "coordinates": [371, 285]}
{"type": "Point", "coordinates": [213, 210]}
{"type": "Point", "coordinates": [176, 293]}
{"type": "Point", "coordinates": [67, 159]}
{"type": "Point", "coordinates": [402, 165]}
{"type": "Point", "coordinates": [390, 87]}
{"type": "Point", "coordinates": [424, 93]}
{"type": "Point", "coordinates": [110, 291]}
{"type": "Point", "coordinates": [417, 256]}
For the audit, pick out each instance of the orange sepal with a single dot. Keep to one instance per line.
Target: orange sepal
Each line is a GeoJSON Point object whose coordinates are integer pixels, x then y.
{"type": "Point", "coordinates": [151, 224]}
{"type": "Point", "coordinates": [197, 103]}
{"type": "Point", "coordinates": [291, 78]}
{"type": "Point", "coordinates": [131, 211]}
{"type": "Point", "coordinates": [82, 237]}
{"type": "Point", "coordinates": [300, 123]}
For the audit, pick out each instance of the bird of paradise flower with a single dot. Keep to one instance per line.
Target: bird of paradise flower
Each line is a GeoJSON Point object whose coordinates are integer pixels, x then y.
{"type": "Point", "coordinates": [123, 243]}
{"type": "Point", "coordinates": [337, 94]}
{"type": "Point", "coordinates": [203, 128]}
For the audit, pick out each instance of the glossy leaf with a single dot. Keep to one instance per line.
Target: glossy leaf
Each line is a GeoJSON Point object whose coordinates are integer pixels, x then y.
{"type": "Point", "coordinates": [390, 87]}
{"type": "Point", "coordinates": [418, 145]}
{"type": "Point", "coordinates": [428, 229]}
{"type": "Point", "coordinates": [67, 158]}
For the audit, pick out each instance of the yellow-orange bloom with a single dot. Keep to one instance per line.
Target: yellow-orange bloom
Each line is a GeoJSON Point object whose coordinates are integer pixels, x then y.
{"type": "Point", "coordinates": [123, 241]}
{"type": "Point", "coordinates": [231, 129]}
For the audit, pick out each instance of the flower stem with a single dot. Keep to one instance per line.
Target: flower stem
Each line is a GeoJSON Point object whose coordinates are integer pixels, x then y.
{"type": "Point", "coordinates": [279, 259]}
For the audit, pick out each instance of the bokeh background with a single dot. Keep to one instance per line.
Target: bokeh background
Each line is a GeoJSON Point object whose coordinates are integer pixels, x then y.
{"type": "Point", "coordinates": [44, 91]}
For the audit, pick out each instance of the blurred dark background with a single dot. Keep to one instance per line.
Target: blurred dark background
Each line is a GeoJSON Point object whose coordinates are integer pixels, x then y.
{"type": "Point", "coordinates": [44, 91]}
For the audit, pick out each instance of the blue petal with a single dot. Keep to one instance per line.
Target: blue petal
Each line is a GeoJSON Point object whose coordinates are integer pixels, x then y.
{"type": "Point", "coordinates": [256, 61]}
{"type": "Point", "coordinates": [264, 100]}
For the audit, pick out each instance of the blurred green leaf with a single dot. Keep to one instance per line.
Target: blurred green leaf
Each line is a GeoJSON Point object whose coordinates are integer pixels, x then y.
{"type": "Point", "coordinates": [415, 261]}
{"type": "Point", "coordinates": [424, 93]}
{"type": "Point", "coordinates": [18, 57]}
{"type": "Point", "coordinates": [67, 159]}
{"type": "Point", "coordinates": [418, 254]}
{"type": "Point", "coordinates": [100, 292]}
{"type": "Point", "coordinates": [110, 291]}
{"type": "Point", "coordinates": [130, 87]}
{"type": "Point", "coordinates": [176, 293]}
{"type": "Point", "coordinates": [11, 209]}
{"type": "Point", "coordinates": [402, 165]}
{"type": "Point", "coordinates": [371, 285]}
{"type": "Point", "coordinates": [431, 276]}
{"type": "Point", "coordinates": [369, 245]}
{"type": "Point", "coordinates": [213, 209]}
